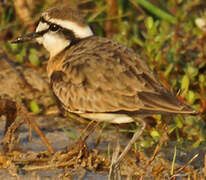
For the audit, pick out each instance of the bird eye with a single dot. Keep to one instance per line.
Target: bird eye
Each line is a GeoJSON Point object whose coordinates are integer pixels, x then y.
{"type": "Point", "coordinates": [53, 27]}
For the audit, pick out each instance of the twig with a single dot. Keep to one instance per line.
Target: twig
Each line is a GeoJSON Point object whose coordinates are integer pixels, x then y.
{"type": "Point", "coordinates": [173, 161]}
{"type": "Point", "coordinates": [189, 162]}
{"type": "Point", "coordinates": [162, 140]}
{"type": "Point", "coordinates": [85, 129]}
{"type": "Point", "coordinates": [23, 110]}
{"type": "Point", "coordinates": [44, 167]}
{"type": "Point", "coordinates": [89, 132]}
{"type": "Point", "coordinates": [43, 138]}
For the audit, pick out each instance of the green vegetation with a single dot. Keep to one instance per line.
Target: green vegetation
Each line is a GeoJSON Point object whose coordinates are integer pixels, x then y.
{"type": "Point", "coordinates": [163, 32]}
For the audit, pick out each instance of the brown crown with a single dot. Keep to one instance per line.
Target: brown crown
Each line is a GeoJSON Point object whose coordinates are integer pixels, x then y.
{"type": "Point", "coordinates": [65, 13]}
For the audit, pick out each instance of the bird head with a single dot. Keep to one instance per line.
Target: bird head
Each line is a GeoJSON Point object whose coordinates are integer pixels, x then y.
{"type": "Point", "coordinates": [58, 28]}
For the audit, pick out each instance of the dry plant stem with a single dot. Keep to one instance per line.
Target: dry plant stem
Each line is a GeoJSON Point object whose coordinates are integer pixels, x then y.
{"type": "Point", "coordinates": [111, 11]}
{"type": "Point", "coordinates": [24, 112]}
{"type": "Point", "coordinates": [11, 136]}
{"type": "Point", "coordinates": [158, 147]}
{"type": "Point", "coordinates": [44, 167]}
{"type": "Point", "coordinates": [34, 125]}
{"type": "Point", "coordinates": [77, 157]}
{"type": "Point", "coordinates": [85, 129]}
{"type": "Point", "coordinates": [90, 131]}
{"type": "Point", "coordinates": [30, 132]}
{"type": "Point", "coordinates": [189, 162]}
{"type": "Point", "coordinates": [43, 138]}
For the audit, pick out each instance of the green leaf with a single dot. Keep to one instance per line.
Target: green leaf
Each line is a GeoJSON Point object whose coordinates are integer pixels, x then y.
{"type": "Point", "coordinates": [149, 23]}
{"type": "Point", "coordinates": [178, 121]}
{"type": "Point", "coordinates": [146, 143]}
{"type": "Point", "coordinates": [155, 134]}
{"type": "Point", "coordinates": [168, 70]}
{"type": "Point", "coordinates": [202, 80]}
{"type": "Point", "coordinates": [156, 11]}
{"type": "Point", "coordinates": [172, 128]}
{"type": "Point", "coordinates": [191, 97]}
{"type": "Point", "coordinates": [196, 144]}
{"type": "Point", "coordinates": [185, 84]}
{"type": "Point", "coordinates": [34, 107]}
{"type": "Point", "coordinates": [33, 57]}
{"type": "Point", "coordinates": [20, 56]}
{"type": "Point", "coordinates": [192, 71]}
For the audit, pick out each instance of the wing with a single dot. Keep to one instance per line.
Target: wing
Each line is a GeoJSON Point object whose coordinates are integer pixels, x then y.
{"type": "Point", "coordinates": [99, 75]}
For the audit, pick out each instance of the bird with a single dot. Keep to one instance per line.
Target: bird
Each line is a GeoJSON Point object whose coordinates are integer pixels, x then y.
{"type": "Point", "coordinates": [97, 78]}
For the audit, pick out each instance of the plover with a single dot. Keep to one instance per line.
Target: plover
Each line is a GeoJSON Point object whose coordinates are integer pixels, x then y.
{"type": "Point", "coordinates": [98, 78]}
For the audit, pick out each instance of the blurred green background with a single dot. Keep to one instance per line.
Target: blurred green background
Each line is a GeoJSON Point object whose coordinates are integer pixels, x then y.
{"type": "Point", "coordinates": [169, 34]}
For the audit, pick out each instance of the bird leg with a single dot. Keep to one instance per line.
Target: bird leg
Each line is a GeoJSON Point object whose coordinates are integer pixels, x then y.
{"type": "Point", "coordinates": [116, 161]}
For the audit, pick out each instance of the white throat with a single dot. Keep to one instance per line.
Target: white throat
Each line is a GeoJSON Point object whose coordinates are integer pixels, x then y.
{"type": "Point", "coordinates": [55, 42]}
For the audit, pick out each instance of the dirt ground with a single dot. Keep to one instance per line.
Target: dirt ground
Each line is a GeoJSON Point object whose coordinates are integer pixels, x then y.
{"type": "Point", "coordinates": [73, 159]}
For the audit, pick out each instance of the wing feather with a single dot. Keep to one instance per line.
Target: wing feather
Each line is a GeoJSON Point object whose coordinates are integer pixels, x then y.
{"type": "Point", "coordinates": [99, 75]}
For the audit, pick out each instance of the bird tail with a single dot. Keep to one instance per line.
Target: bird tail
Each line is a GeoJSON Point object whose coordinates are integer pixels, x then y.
{"type": "Point", "coordinates": [165, 102]}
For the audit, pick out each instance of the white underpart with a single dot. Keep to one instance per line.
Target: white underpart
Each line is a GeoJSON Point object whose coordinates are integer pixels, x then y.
{"type": "Point", "coordinates": [52, 41]}
{"type": "Point", "coordinates": [79, 31]}
{"type": "Point", "coordinates": [108, 117]}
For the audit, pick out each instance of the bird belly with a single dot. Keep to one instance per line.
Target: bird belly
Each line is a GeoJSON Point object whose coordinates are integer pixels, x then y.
{"type": "Point", "coordinates": [108, 117]}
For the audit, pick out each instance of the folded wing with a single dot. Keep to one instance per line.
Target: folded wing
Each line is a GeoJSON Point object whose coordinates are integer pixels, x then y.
{"type": "Point", "coordinates": [99, 75]}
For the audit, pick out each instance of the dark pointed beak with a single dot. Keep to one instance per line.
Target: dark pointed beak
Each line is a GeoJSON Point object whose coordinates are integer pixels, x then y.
{"type": "Point", "coordinates": [29, 37]}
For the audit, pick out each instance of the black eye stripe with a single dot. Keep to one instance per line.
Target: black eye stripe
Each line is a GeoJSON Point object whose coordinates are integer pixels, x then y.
{"type": "Point", "coordinates": [54, 27]}
{"type": "Point", "coordinates": [68, 33]}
